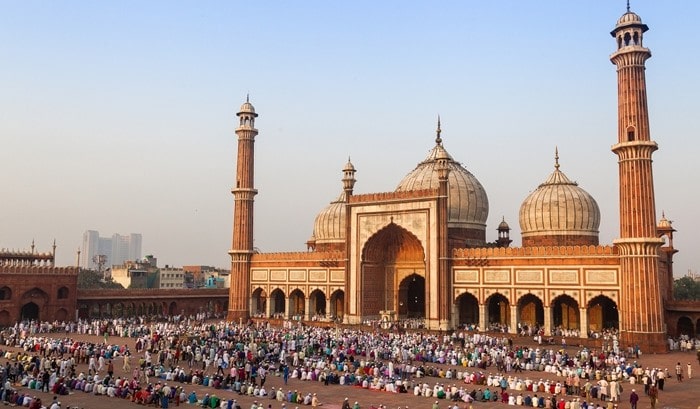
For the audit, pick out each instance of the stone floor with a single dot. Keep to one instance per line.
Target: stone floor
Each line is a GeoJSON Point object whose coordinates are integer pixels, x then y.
{"type": "Point", "coordinates": [683, 395]}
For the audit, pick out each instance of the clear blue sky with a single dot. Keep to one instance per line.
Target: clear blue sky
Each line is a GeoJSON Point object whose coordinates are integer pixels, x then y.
{"type": "Point", "coordinates": [120, 116]}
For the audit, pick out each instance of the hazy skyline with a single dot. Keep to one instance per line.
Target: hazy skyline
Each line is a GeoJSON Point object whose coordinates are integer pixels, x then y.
{"type": "Point", "coordinates": [120, 116]}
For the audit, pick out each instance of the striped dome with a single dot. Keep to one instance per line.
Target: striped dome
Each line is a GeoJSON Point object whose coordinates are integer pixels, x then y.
{"type": "Point", "coordinates": [329, 226]}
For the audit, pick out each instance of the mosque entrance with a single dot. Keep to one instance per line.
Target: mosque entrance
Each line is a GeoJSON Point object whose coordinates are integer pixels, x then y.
{"type": "Point", "coordinates": [565, 313]}
{"type": "Point", "coordinates": [412, 297]}
{"type": "Point", "coordinates": [30, 311]}
{"type": "Point", "coordinates": [468, 310]}
{"type": "Point", "coordinates": [531, 312]}
{"type": "Point", "coordinates": [602, 314]}
{"type": "Point", "coordinates": [685, 327]}
{"type": "Point", "coordinates": [392, 274]}
{"type": "Point", "coordinates": [498, 309]}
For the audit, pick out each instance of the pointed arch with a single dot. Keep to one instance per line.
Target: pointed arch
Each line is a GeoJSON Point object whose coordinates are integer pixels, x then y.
{"type": "Point", "coordinates": [602, 314]}
{"type": "Point", "coordinates": [118, 310]}
{"type": "Point", "coordinates": [5, 293]}
{"type": "Point", "coordinates": [468, 309]}
{"type": "Point", "coordinates": [388, 256]}
{"type": "Point", "coordinates": [317, 303]}
{"type": "Point", "coordinates": [498, 309]}
{"type": "Point", "coordinates": [36, 294]}
{"type": "Point", "coordinates": [297, 303]}
{"type": "Point", "coordinates": [30, 311]}
{"type": "Point", "coordinates": [338, 304]}
{"type": "Point", "coordinates": [62, 293]}
{"type": "Point", "coordinates": [565, 312]}
{"type": "Point", "coordinates": [530, 311]}
{"type": "Point", "coordinates": [277, 299]}
{"type": "Point", "coordinates": [172, 308]}
{"type": "Point", "coordinates": [685, 327]}
{"type": "Point", "coordinates": [258, 305]}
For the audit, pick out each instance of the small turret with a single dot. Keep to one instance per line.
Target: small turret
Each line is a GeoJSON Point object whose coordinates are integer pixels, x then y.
{"type": "Point", "coordinates": [349, 178]}
{"type": "Point", "coordinates": [503, 234]}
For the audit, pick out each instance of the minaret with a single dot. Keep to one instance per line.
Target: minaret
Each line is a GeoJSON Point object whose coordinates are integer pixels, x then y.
{"type": "Point", "coordinates": [443, 274]}
{"type": "Point", "coordinates": [243, 197]}
{"type": "Point", "coordinates": [53, 253]}
{"type": "Point", "coordinates": [640, 308]}
{"type": "Point", "coordinates": [348, 186]}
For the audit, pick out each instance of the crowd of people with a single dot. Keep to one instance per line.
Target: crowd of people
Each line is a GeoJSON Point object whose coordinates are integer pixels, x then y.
{"type": "Point", "coordinates": [165, 356]}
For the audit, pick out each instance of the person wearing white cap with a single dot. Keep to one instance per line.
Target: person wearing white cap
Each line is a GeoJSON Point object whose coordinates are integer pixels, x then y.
{"type": "Point", "coordinates": [634, 398]}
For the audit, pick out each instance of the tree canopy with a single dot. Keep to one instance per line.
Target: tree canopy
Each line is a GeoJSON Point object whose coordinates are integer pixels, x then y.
{"type": "Point", "coordinates": [686, 288]}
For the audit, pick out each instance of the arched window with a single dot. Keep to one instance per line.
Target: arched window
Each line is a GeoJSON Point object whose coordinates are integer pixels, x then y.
{"type": "Point", "coordinates": [630, 134]}
{"type": "Point", "coordinates": [5, 293]}
{"type": "Point", "coordinates": [62, 293]}
{"type": "Point", "coordinates": [627, 39]}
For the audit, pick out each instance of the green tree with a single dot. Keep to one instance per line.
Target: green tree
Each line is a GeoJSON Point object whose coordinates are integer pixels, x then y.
{"type": "Point", "coordinates": [686, 289]}
{"type": "Point", "coordinates": [90, 279]}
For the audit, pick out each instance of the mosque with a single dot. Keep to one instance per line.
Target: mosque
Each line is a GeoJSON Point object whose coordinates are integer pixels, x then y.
{"type": "Point", "coordinates": [420, 251]}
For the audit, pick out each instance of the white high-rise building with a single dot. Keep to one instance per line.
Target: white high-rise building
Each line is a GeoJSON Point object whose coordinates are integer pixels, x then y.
{"type": "Point", "coordinates": [113, 250]}
{"type": "Point", "coordinates": [90, 249]}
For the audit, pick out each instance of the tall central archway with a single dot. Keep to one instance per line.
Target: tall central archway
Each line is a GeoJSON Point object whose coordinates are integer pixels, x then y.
{"type": "Point", "coordinates": [393, 264]}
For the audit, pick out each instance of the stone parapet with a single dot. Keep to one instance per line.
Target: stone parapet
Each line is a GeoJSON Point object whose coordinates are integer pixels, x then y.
{"type": "Point", "coordinates": [547, 251]}
{"type": "Point", "coordinates": [391, 196]}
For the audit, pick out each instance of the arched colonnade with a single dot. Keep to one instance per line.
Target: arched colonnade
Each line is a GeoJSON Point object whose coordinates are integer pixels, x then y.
{"type": "Point", "coordinates": [295, 304]}
{"type": "Point", "coordinates": [497, 312]}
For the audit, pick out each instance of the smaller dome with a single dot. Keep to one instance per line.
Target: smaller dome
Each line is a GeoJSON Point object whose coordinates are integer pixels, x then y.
{"type": "Point", "coordinates": [349, 167]}
{"type": "Point", "coordinates": [559, 212]}
{"type": "Point", "coordinates": [329, 226]}
{"type": "Point", "coordinates": [664, 223]}
{"type": "Point", "coordinates": [629, 17]}
{"type": "Point", "coordinates": [503, 225]}
{"type": "Point", "coordinates": [247, 107]}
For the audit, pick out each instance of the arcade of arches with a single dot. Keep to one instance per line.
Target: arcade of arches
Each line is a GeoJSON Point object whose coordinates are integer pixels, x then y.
{"type": "Point", "coordinates": [563, 312]}
{"type": "Point", "coordinates": [297, 305]}
{"type": "Point", "coordinates": [128, 308]}
{"type": "Point", "coordinates": [683, 319]}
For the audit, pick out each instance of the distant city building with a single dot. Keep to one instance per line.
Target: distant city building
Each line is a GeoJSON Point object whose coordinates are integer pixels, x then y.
{"type": "Point", "coordinates": [199, 274]}
{"type": "Point", "coordinates": [137, 274]}
{"type": "Point", "coordinates": [171, 277]}
{"type": "Point", "coordinates": [112, 251]}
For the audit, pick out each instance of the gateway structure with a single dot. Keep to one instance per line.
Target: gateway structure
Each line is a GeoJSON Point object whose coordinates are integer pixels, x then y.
{"type": "Point", "coordinates": [420, 251]}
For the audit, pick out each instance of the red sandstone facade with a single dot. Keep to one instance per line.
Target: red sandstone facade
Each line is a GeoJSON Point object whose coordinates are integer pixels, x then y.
{"type": "Point", "coordinates": [642, 302]}
{"type": "Point", "coordinates": [420, 251]}
{"type": "Point", "coordinates": [243, 196]}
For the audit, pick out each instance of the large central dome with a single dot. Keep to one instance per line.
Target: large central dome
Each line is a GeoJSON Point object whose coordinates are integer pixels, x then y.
{"type": "Point", "coordinates": [468, 205]}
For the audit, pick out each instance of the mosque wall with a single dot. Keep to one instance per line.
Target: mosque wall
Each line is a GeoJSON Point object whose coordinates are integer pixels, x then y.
{"type": "Point", "coordinates": [306, 272]}
{"type": "Point", "coordinates": [582, 283]}
{"type": "Point", "coordinates": [416, 217]}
